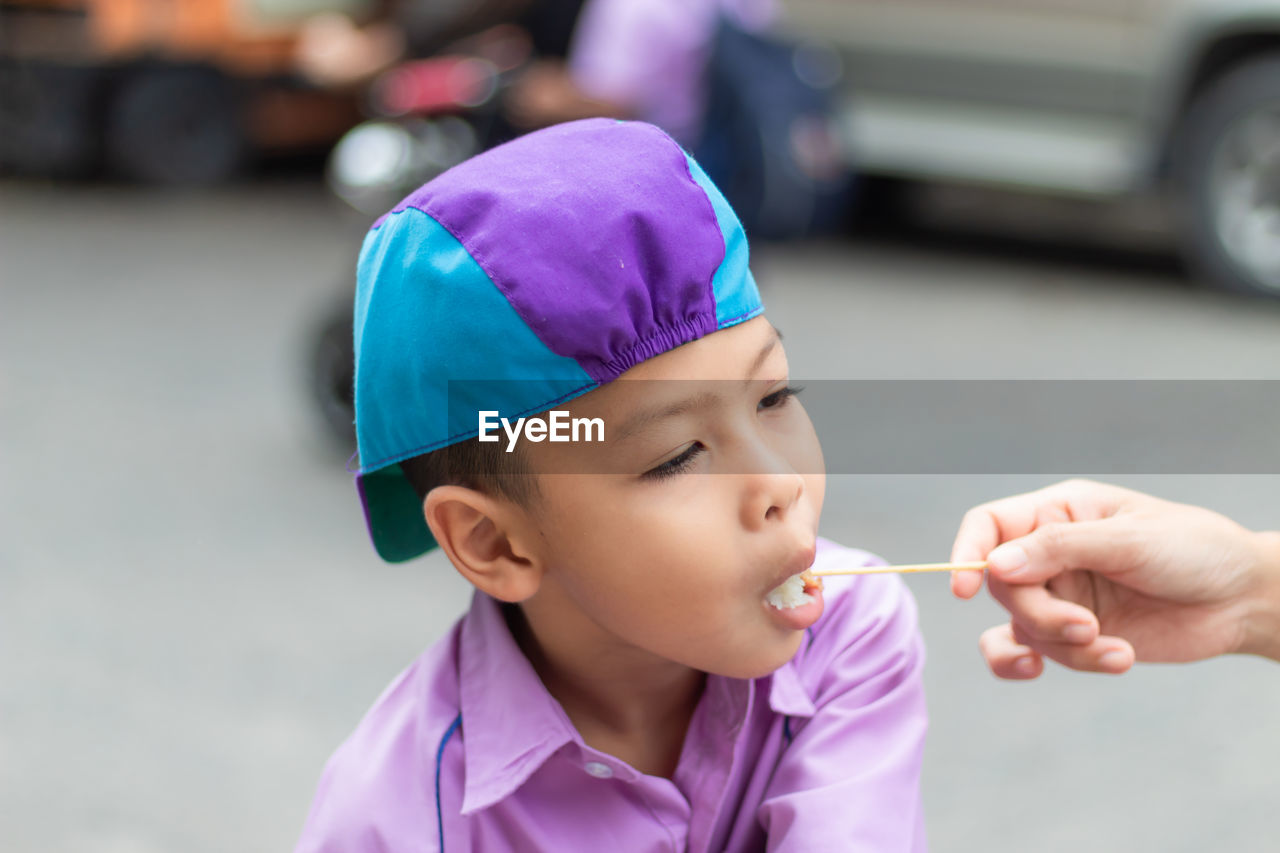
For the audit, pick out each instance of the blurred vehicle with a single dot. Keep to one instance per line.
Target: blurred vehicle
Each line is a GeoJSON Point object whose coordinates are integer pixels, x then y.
{"type": "Point", "coordinates": [161, 91]}
{"type": "Point", "coordinates": [424, 116]}
{"type": "Point", "coordinates": [1092, 98]}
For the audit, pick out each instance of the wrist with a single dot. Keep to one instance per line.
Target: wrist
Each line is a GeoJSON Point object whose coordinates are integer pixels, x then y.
{"type": "Point", "coordinates": [1262, 622]}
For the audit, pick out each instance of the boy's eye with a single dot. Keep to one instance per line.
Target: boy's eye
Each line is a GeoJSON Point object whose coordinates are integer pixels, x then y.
{"type": "Point", "coordinates": [676, 464]}
{"type": "Point", "coordinates": [780, 397]}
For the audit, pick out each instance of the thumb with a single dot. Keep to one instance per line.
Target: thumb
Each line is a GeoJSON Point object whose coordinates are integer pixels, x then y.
{"type": "Point", "coordinates": [1100, 546]}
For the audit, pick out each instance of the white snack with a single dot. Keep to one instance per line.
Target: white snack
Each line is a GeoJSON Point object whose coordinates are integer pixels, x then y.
{"type": "Point", "coordinates": [788, 594]}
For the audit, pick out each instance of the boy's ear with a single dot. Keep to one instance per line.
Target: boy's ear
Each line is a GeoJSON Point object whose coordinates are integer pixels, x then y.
{"type": "Point", "coordinates": [483, 539]}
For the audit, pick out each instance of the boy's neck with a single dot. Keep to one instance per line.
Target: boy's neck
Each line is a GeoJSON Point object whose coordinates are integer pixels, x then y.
{"type": "Point", "coordinates": [633, 706]}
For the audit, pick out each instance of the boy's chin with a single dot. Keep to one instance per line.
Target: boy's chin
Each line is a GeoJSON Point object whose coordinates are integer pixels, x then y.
{"type": "Point", "coordinates": [761, 665]}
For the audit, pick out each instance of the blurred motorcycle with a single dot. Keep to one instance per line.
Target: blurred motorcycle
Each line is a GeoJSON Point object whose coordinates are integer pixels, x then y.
{"type": "Point", "coordinates": [425, 116]}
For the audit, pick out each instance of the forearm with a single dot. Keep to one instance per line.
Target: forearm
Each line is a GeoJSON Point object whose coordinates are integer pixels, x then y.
{"type": "Point", "coordinates": [1262, 622]}
{"type": "Point", "coordinates": [547, 94]}
{"type": "Point", "coordinates": [581, 106]}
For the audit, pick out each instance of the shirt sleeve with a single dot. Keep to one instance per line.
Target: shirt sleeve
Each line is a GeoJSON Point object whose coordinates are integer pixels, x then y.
{"type": "Point", "coordinates": [850, 778]}
{"type": "Point", "coordinates": [368, 799]}
{"type": "Point", "coordinates": [385, 788]}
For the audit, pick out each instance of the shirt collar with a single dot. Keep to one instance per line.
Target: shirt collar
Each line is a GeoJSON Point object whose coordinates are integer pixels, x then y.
{"type": "Point", "coordinates": [510, 722]}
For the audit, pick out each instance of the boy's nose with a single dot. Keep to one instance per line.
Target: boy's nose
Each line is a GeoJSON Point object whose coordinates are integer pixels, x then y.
{"type": "Point", "coordinates": [770, 497]}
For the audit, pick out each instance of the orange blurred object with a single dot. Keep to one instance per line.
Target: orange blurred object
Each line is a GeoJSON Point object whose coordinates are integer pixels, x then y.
{"type": "Point", "coordinates": [124, 65]}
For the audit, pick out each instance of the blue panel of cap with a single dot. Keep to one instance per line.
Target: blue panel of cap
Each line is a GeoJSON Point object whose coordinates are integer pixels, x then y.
{"type": "Point", "coordinates": [405, 407]}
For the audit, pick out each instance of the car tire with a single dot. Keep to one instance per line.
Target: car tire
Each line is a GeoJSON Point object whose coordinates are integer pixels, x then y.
{"type": "Point", "coordinates": [49, 122]}
{"type": "Point", "coordinates": [175, 126]}
{"type": "Point", "coordinates": [1227, 170]}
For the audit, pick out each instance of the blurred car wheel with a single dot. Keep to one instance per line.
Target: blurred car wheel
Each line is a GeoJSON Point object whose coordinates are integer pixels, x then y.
{"type": "Point", "coordinates": [1228, 170]}
{"type": "Point", "coordinates": [48, 119]}
{"type": "Point", "coordinates": [176, 126]}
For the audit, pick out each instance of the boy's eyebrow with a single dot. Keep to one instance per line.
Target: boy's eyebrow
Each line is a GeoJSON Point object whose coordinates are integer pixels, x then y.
{"type": "Point", "coordinates": [644, 417]}
{"type": "Point", "coordinates": [701, 400]}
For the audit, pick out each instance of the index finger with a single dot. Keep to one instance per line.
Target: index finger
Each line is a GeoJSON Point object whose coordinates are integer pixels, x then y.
{"type": "Point", "coordinates": [982, 529]}
{"type": "Point", "coordinates": [995, 522]}
{"type": "Point", "coordinates": [979, 533]}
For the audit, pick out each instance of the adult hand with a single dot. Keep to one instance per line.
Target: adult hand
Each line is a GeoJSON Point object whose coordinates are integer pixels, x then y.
{"type": "Point", "coordinates": [1095, 577]}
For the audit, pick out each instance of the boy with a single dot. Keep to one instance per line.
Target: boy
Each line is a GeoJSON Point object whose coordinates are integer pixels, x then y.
{"type": "Point", "coordinates": [628, 676]}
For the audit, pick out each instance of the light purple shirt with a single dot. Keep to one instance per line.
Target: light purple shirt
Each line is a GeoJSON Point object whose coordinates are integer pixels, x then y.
{"type": "Point", "coordinates": [651, 55]}
{"type": "Point", "coordinates": [466, 750]}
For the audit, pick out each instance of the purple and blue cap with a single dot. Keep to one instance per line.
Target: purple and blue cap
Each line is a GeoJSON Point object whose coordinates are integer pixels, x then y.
{"type": "Point", "coordinates": [523, 278]}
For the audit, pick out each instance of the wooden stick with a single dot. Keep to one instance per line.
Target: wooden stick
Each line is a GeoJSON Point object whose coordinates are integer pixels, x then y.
{"type": "Point", "coordinates": [912, 567]}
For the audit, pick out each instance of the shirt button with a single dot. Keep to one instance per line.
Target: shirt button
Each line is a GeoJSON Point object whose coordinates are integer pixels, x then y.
{"type": "Point", "coordinates": [598, 770]}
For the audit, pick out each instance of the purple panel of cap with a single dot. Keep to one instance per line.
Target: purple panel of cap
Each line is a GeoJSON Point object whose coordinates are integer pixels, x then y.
{"type": "Point", "coordinates": [596, 234]}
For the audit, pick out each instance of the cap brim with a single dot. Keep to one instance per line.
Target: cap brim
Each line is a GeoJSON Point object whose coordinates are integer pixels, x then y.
{"type": "Point", "coordinates": [393, 513]}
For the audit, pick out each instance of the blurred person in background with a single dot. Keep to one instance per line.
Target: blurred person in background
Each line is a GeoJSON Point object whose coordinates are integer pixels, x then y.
{"type": "Point", "coordinates": [1097, 577]}
{"type": "Point", "coordinates": [643, 59]}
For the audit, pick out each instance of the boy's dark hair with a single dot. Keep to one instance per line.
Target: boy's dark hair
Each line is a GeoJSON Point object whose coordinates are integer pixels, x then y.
{"type": "Point", "coordinates": [484, 466]}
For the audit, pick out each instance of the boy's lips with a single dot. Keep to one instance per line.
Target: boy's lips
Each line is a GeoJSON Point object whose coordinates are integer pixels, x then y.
{"type": "Point", "coordinates": [800, 562]}
{"type": "Point", "coordinates": [802, 616]}
{"type": "Point", "coordinates": [795, 600]}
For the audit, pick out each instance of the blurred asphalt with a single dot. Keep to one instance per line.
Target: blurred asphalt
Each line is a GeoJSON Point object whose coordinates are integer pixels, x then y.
{"type": "Point", "coordinates": [191, 618]}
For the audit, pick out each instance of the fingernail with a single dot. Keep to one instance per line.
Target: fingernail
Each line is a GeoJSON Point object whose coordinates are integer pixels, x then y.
{"type": "Point", "coordinates": [1114, 659]}
{"type": "Point", "coordinates": [1024, 666]}
{"type": "Point", "coordinates": [1008, 560]}
{"type": "Point", "coordinates": [1078, 633]}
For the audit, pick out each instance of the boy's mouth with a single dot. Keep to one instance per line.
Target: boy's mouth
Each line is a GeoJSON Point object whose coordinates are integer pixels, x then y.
{"type": "Point", "coordinates": [794, 591]}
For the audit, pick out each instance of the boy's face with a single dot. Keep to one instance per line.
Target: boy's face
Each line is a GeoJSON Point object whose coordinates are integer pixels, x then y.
{"type": "Point", "coordinates": [712, 487]}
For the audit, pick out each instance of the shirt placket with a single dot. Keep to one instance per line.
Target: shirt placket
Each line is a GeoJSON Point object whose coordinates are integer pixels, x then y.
{"type": "Point", "coordinates": [708, 763]}
{"type": "Point", "coordinates": [659, 797]}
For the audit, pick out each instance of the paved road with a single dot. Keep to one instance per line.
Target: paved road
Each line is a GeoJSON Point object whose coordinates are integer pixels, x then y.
{"type": "Point", "coordinates": [191, 618]}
